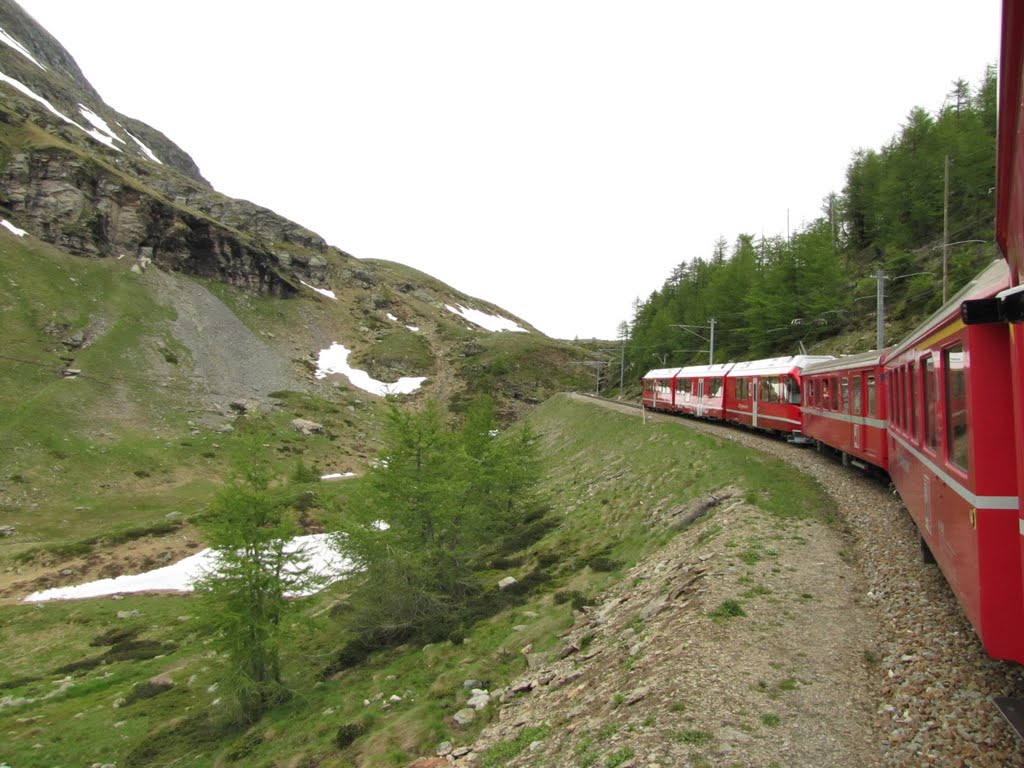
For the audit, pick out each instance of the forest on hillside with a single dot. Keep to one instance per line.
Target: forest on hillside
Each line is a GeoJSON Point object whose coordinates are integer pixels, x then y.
{"type": "Point", "coordinates": [930, 186]}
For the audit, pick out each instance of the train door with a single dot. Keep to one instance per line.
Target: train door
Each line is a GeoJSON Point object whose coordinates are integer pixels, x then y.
{"type": "Point", "coordinates": [700, 397]}
{"type": "Point", "coordinates": [755, 385]}
{"type": "Point", "coordinates": [856, 409]}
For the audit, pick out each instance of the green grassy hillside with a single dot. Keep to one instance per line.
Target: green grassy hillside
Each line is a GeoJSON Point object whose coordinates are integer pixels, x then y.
{"type": "Point", "coordinates": [87, 681]}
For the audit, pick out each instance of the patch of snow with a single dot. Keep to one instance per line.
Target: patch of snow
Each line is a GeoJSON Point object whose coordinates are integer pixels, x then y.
{"type": "Point", "coordinates": [149, 152]}
{"type": "Point", "coordinates": [12, 229]}
{"type": "Point", "coordinates": [334, 359]}
{"type": "Point", "coordinates": [485, 321]}
{"type": "Point", "coordinates": [414, 329]}
{"type": "Point", "coordinates": [102, 132]}
{"type": "Point", "coordinates": [21, 87]}
{"type": "Point", "coordinates": [320, 557]}
{"type": "Point", "coordinates": [324, 291]}
{"type": "Point", "coordinates": [6, 38]}
{"type": "Point", "coordinates": [337, 475]}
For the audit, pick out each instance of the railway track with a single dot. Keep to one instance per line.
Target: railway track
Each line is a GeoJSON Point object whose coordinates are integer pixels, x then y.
{"type": "Point", "coordinates": [935, 685]}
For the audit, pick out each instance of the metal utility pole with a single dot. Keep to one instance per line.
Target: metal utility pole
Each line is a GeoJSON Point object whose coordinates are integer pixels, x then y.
{"type": "Point", "coordinates": [692, 329]}
{"type": "Point", "coordinates": [596, 365]}
{"type": "Point", "coordinates": [945, 233]}
{"type": "Point", "coordinates": [880, 313]}
{"type": "Point", "coordinates": [622, 365]}
{"type": "Point", "coordinates": [832, 218]}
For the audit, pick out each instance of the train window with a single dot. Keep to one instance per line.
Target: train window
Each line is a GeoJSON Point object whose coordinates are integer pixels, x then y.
{"type": "Point", "coordinates": [809, 393]}
{"type": "Point", "coordinates": [912, 381]}
{"type": "Point", "coordinates": [901, 398]}
{"type": "Point", "coordinates": [687, 385]}
{"type": "Point", "coordinates": [836, 399]}
{"type": "Point", "coordinates": [856, 403]}
{"type": "Point", "coordinates": [930, 403]}
{"type": "Point", "coordinates": [825, 402]}
{"type": "Point", "coordinates": [844, 406]}
{"type": "Point", "coordinates": [793, 389]}
{"type": "Point", "coordinates": [740, 389]}
{"type": "Point", "coordinates": [891, 391]}
{"type": "Point", "coordinates": [715, 387]}
{"type": "Point", "coordinates": [900, 401]}
{"type": "Point", "coordinates": [769, 390]}
{"type": "Point", "coordinates": [894, 397]}
{"type": "Point", "coordinates": [956, 405]}
{"type": "Point", "coordinates": [871, 396]}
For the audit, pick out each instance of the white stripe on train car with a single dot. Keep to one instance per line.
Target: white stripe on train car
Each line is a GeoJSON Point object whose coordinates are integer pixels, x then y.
{"type": "Point", "coordinates": [764, 417]}
{"type": "Point", "coordinates": [880, 423]}
{"type": "Point", "coordinates": [978, 502]}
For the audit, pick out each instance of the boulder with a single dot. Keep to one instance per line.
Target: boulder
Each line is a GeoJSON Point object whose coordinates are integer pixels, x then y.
{"type": "Point", "coordinates": [307, 427]}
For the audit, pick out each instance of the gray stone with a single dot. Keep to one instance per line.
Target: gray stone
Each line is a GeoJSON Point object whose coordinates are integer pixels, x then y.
{"type": "Point", "coordinates": [307, 427]}
{"type": "Point", "coordinates": [464, 717]}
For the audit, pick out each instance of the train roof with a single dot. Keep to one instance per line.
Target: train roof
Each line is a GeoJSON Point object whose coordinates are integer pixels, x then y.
{"type": "Point", "coordinates": [990, 281]}
{"type": "Point", "coordinates": [662, 373]}
{"type": "Point", "coordinates": [718, 369]}
{"type": "Point", "coordinates": [776, 365]}
{"type": "Point", "coordinates": [846, 362]}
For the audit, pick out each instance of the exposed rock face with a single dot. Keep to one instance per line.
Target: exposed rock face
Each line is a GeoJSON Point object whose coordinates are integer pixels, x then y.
{"type": "Point", "coordinates": [78, 204]}
{"type": "Point", "coordinates": [125, 189]}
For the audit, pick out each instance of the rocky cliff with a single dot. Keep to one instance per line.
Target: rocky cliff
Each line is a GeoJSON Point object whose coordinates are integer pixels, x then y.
{"type": "Point", "coordinates": [82, 176]}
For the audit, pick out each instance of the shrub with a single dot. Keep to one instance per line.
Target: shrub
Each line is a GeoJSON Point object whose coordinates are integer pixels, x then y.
{"type": "Point", "coordinates": [729, 609]}
{"type": "Point", "coordinates": [348, 733]}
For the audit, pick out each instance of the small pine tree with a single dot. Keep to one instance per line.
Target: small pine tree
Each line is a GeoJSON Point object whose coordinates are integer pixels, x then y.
{"type": "Point", "coordinates": [435, 507]}
{"type": "Point", "coordinates": [244, 597]}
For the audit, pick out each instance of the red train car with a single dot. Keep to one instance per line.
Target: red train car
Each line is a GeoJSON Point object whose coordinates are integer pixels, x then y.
{"type": "Point", "coordinates": [845, 408]}
{"type": "Point", "coordinates": [765, 394]}
{"type": "Point", "coordinates": [701, 390]}
{"type": "Point", "coordinates": [952, 458]}
{"type": "Point", "coordinates": [659, 393]}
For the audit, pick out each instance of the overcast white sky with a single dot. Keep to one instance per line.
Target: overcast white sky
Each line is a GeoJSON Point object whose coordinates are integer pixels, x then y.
{"type": "Point", "coordinates": [555, 157]}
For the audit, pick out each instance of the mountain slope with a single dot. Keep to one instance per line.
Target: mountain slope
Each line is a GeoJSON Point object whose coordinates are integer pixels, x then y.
{"type": "Point", "coordinates": [189, 314]}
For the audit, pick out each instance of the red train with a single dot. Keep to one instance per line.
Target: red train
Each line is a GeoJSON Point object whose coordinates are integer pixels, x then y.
{"type": "Point", "coordinates": [942, 412]}
{"type": "Point", "coordinates": [763, 394]}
